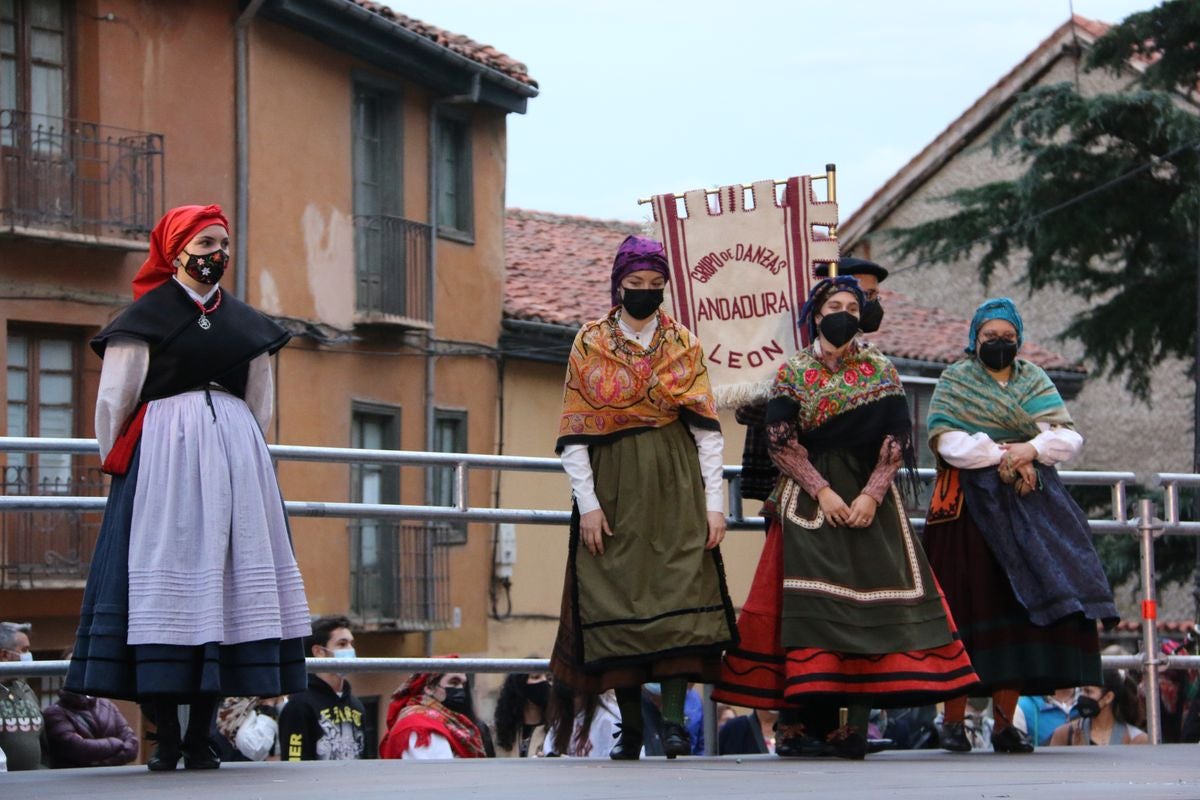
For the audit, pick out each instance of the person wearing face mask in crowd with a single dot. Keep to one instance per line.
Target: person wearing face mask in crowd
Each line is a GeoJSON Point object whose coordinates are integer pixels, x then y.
{"type": "Point", "coordinates": [644, 597]}
{"type": "Point", "coordinates": [520, 720]}
{"type": "Point", "coordinates": [325, 721]}
{"type": "Point", "coordinates": [218, 608]}
{"type": "Point", "coordinates": [843, 605]}
{"type": "Point", "coordinates": [430, 717]}
{"type": "Point", "coordinates": [22, 728]}
{"type": "Point", "coordinates": [1105, 715]}
{"type": "Point", "coordinates": [1041, 716]}
{"type": "Point", "coordinates": [1011, 547]}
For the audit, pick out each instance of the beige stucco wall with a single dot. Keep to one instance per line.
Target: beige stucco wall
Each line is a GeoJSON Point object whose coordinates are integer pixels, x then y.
{"type": "Point", "coordinates": [1120, 433]}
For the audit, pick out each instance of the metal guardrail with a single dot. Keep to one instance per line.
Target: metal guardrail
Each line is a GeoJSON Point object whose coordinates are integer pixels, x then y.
{"type": "Point", "coordinates": [1146, 526]}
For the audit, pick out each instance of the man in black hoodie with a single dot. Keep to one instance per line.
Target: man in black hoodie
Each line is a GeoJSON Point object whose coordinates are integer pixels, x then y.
{"type": "Point", "coordinates": [324, 722]}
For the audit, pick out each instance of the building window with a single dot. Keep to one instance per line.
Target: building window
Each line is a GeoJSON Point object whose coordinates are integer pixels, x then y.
{"type": "Point", "coordinates": [33, 57]}
{"type": "Point", "coordinates": [449, 436]}
{"type": "Point", "coordinates": [49, 549]}
{"type": "Point", "coordinates": [373, 541]}
{"type": "Point", "coordinates": [43, 377]}
{"type": "Point", "coordinates": [454, 185]}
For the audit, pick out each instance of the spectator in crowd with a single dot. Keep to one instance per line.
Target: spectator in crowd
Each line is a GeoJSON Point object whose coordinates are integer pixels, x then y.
{"type": "Point", "coordinates": [520, 720]}
{"type": "Point", "coordinates": [21, 735]}
{"type": "Point", "coordinates": [748, 734]}
{"type": "Point", "coordinates": [581, 725]}
{"type": "Point", "coordinates": [247, 728]}
{"type": "Point", "coordinates": [1041, 716]}
{"type": "Point", "coordinates": [1104, 714]}
{"type": "Point", "coordinates": [84, 731]}
{"type": "Point", "coordinates": [429, 718]}
{"type": "Point", "coordinates": [325, 721]}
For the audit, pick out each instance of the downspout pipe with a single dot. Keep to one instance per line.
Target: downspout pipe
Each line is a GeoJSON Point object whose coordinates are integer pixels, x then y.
{"type": "Point", "coordinates": [471, 97]}
{"type": "Point", "coordinates": [241, 62]}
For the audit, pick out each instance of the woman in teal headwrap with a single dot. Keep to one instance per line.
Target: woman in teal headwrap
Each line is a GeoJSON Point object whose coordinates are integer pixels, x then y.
{"type": "Point", "coordinates": [1010, 547]}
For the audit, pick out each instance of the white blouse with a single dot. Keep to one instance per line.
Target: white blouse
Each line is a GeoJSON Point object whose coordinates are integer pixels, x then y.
{"type": "Point", "coordinates": [964, 450]}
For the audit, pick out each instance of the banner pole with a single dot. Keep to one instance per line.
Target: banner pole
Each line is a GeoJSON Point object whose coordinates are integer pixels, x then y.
{"type": "Point", "coordinates": [831, 195]}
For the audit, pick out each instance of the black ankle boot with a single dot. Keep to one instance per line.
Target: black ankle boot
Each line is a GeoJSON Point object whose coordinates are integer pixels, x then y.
{"type": "Point", "coordinates": [953, 737]}
{"type": "Point", "coordinates": [197, 751]}
{"type": "Point", "coordinates": [167, 750]}
{"type": "Point", "coordinates": [628, 746]}
{"type": "Point", "coordinates": [675, 740]}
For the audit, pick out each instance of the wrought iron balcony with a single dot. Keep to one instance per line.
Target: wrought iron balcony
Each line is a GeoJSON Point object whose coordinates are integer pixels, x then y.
{"type": "Point", "coordinates": [78, 179]}
{"type": "Point", "coordinates": [48, 549]}
{"type": "Point", "coordinates": [399, 575]}
{"type": "Point", "coordinates": [393, 270]}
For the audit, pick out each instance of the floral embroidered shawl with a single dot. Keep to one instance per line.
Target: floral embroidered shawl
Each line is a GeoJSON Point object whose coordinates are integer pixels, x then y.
{"type": "Point", "coordinates": [614, 387]}
{"type": "Point", "coordinates": [866, 376]}
{"type": "Point", "coordinates": [414, 711]}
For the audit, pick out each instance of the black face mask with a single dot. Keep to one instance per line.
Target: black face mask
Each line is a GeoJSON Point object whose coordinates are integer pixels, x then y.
{"type": "Point", "coordinates": [838, 328]}
{"type": "Point", "coordinates": [1087, 707]}
{"type": "Point", "coordinates": [998, 354]}
{"type": "Point", "coordinates": [456, 699]}
{"type": "Point", "coordinates": [641, 303]}
{"type": "Point", "coordinates": [871, 317]}
{"type": "Point", "coordinates": [208, 268]}
{"type": "Point", "coordinates": [538, 693]}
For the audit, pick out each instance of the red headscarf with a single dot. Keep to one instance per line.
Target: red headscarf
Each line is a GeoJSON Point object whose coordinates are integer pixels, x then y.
{"type": "Point", "coordinates": [414, 711]}
{"type": "Point", "coordinates": [167, 240]}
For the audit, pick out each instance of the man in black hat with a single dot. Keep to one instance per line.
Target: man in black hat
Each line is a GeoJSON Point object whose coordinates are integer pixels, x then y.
{"type": "Point", "coordinates": [869, 275]}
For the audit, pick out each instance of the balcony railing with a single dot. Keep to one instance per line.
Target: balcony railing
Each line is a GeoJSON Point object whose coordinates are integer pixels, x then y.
{"type": "Point", "coordinates": [78, 178]}
{"type": "Point", "coordinates": [47, 549]}
{"type": "Point", "coordinates": [399, 575]}
{"type": "Point", "coordinates": [393, 270]}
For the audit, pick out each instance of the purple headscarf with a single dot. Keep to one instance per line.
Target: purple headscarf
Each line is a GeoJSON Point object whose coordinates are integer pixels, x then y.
{"type": "Point", "coordinates": [637, 253]}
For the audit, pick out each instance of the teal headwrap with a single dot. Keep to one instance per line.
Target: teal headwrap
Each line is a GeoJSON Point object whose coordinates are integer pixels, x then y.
{"type": "Point", "coordinates": [996, 308]}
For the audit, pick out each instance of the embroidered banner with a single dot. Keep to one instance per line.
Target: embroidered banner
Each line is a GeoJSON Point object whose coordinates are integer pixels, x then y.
{"type": "Point", "coordinates": [739, 276]}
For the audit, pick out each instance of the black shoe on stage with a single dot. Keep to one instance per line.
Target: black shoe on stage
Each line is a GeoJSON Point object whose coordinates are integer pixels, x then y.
{"type": "Point", "coordinates": [200, 756]}
{"type": "Point", "coordinates": [628, 746]}
{"type": "Point", "coordinates": [164, 758]}
{"type": "Point", "coordinates": [675, 740]}
{"type": "Point", "coordinates": [1011, 740]}
{"type": "Point", "coordinates": [953, 737]}
{"type": "Point", "coordinates": [792, 742]}
{"type": "Point", "coordinates": [848, 743]}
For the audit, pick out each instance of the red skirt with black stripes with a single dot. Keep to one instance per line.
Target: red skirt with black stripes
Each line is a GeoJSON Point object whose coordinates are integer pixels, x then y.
{"type": "Point", "coordinates": [762, 673]}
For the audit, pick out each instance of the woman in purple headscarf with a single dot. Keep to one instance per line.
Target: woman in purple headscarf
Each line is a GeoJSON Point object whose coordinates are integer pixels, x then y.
{"type": "Point", "coordinates": [644, 598]}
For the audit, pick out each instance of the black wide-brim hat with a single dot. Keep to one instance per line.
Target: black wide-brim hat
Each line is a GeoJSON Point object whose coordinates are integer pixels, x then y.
{"type": "Point", "coordinates": [854, 266]}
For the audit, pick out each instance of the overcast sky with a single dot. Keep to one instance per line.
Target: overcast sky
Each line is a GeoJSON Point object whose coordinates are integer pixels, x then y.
{"type": "Point", "coordinates": [640, 97]}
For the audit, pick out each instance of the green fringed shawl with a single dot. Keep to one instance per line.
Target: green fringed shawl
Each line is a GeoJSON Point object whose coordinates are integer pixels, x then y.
{"type": "Point", "coordinates": [968, 399]}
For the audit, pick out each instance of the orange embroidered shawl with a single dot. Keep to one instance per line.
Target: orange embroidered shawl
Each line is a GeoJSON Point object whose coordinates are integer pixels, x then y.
{"type": "Point", "coordinates": [615, 387]}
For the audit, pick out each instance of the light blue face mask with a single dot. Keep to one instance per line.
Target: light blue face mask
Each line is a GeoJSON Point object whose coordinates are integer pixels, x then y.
{"type": "Point", "coordinates": [654, 689]}
{"type": "Point", "coordinates": [344, 653]}
{"type": "Point", "coordinates": [26, 656]}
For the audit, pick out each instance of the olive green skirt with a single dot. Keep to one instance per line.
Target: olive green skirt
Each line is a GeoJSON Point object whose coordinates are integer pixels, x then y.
{"type": "Point", "coordinates": [655, 604]}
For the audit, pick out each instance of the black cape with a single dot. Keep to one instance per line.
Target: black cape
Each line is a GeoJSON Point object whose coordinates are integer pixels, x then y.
{"type": "Point", "coordinates": [184, 356]}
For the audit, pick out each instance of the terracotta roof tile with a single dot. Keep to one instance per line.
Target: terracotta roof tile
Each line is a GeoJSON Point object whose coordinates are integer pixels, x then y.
{"type": "Point", "coordinates": [557, 271]}
{"type": "Point", "coordinates": [484, 54]}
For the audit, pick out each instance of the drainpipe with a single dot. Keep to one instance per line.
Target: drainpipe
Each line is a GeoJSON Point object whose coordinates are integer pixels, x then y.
{"type": "Point", "coordinates": [242, 154]}
{"type": "Point", "coordinates": [430, 290]}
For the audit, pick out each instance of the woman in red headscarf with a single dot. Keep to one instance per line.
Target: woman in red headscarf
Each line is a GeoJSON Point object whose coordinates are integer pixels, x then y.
{"type": "Point", "coordinates": [644, 599]}
{"type": "Point", "coordinates": [430, 717]}
{"type": "Point", "coordinates": [194, 593]}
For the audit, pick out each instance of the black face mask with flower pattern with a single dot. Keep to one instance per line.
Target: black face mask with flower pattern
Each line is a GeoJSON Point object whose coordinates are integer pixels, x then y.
{"type": "Point", "coordinates": [207, 268]}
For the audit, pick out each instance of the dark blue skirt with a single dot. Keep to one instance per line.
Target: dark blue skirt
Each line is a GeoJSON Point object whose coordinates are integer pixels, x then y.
{"type": "Point", "coordinates": [103, 665]}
